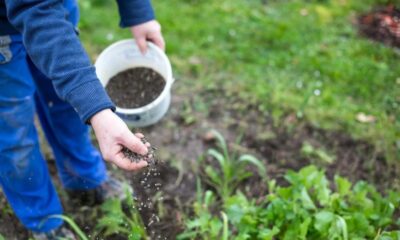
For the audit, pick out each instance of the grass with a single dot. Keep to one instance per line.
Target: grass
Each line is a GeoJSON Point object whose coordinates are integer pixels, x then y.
{"type": "Point", "coordinates": [294, 57]}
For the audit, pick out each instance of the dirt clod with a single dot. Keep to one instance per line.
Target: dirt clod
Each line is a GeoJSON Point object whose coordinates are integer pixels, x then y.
{"type": "Point", "coordinates": [135, 87]}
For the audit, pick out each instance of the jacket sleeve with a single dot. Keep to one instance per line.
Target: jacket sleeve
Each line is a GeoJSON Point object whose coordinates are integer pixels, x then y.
{"type": "Point", "coordinates": [134, 12]}
{"type": "Point", "coordinates": [52, 44]}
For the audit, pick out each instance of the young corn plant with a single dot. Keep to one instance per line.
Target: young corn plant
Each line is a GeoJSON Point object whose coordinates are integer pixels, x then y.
{"type": "Point", "coordinates": [231, 170]}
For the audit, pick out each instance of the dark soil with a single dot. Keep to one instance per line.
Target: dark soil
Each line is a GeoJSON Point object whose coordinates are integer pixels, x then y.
{"type": "Point", "coordinates": [10, 227]}
{"type": "Point", "coordinates": [382, 24]}
{"type": "Point", "coordinates": [136, 87]}
{"type": "Point", "coordinates": [150, 157]}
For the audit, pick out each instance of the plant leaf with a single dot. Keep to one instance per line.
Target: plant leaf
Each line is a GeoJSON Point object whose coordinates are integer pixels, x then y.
{"type": "Point", "coordinates": [225, 230]}
{"type": "Point", "coordinates": [256, 162]}
{"type": "Point", "coordinates": [73, 225]}
{"type": "Point", "coordinates": [218, 156]}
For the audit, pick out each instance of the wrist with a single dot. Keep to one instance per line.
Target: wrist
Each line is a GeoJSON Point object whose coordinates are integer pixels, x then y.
{"type": "Point", "coordinates": [100, 115]}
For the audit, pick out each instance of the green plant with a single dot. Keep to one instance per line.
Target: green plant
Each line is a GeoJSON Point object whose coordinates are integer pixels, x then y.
{"type": "Point", "coordinates": [72, 224]}
{"type": "Point", "coordinates": [317, 212]}
{"type": "Point", "coordinates": [115, 220]}
{"type": "Point", "coordinates": [231, 167]}
{"type": "Point", "coordinates": [305, 209]}
{"type": "Point", "coordinates": [205, 224]}
{"type": "Point", "coordinates": [318, 155]}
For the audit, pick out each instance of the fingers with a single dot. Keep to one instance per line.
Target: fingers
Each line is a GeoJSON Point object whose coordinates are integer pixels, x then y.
{"type": "Point", "coordinates": [124, 163]}
{"type": "Point", "coordinates": [142, 44]}
{"type": "Point", "coordinates": [139, 135]}
{"type": "Point", "coordinates": [158, 40]}
{"type": "Point", "coordinates": [134, 144]}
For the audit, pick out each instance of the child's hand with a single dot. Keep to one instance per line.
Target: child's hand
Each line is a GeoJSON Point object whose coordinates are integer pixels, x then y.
{"type": "Point", "coordinates": [148, 31]}
{"type": "Point", "coordinates": [112, 134]}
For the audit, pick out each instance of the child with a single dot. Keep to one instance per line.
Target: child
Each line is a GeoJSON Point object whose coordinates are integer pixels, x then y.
{"type": "Point", "coordinates": [44, 69]}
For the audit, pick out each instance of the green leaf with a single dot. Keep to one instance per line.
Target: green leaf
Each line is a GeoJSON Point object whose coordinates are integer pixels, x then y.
{"type": "Point", "coordinates": [214, 176]}
{"type": "Point", "coordinates": [225, 230]}
{"type": "Point", "coordinates": [208, 198]}
{"type": "Point", "coordinates": [218, 156]}
{"type": "Point", "coordinates": [323, 221]}
{"type": "Point", "coordinates": [343, 185]}
{"type": "Point", "coordinates": [252, 160]}
{"type": "Point", "coordinates": [310, 151]}
{"type": "Point", "coordinates": [214, 227]}
{"type": "Point", "coordinates": [304, 226]}
{"type": "Point", "coordinates": [342, 225]}
{"type": "Point", "coordinates": [393, 235]}
{"type": "Point", "coordinates": [221, 141]}
{"type": "Point", "coordinates": [73, 225]}
{"type": "Point", "coordinates": [268, 234]}
{"type": "Point", "coordinates": [306, 199]}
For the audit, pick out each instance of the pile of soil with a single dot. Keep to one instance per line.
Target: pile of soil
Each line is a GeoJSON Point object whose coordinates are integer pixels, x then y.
{"type": "Point", "coordinates": [135, 87]}
{"type": "Point", "coordinates": [382, 24]}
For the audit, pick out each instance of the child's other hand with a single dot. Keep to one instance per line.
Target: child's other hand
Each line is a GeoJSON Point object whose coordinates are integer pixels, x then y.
{"type": "Point", "coordinates": [148, 31]}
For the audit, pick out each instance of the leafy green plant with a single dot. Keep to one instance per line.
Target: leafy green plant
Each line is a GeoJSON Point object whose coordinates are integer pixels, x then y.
{"type": "Point", "coordinates": [231, 168]}
{"type": "Point", "coordinates": [115, 220]}
{"type": "Point", "coordinates": [308, 208]}
{"type": "Point", "coordinates": [206, 225]}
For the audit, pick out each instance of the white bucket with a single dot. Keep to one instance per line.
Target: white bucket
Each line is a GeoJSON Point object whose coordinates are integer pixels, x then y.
{"type": "Point", "coordinates": [125, 54]}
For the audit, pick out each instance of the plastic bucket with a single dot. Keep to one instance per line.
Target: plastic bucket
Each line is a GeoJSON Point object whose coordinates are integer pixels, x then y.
{"type": "Point", "coordinates": [125, 54]}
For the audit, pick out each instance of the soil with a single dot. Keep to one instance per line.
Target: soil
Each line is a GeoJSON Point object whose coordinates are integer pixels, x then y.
{"type": "Point", "coordinates": [167, 190]}
{"type": "Point", "coordinates": [135, 87]}
{"type": "Point", "coordinates": [382, 24]}
{"type": "Point", "coordinates": [150, 157]}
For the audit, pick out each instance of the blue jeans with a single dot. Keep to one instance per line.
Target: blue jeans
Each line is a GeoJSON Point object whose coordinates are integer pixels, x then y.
{"type": "Point", "coordinates": [24, 176]}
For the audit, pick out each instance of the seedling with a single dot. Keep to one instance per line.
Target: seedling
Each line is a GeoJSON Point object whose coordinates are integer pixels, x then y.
{"type": "Point", "coordinates": [205, 225]}
{"type": "Point", "coordinates": [115, 220]}
{"type": "Point", "coordinates": [306, 208]}
{"type": "Point", "coordinates": [231, 169]}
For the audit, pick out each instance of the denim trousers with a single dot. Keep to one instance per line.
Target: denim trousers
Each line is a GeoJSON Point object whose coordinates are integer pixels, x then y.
{"type": "Point", "coordinates": [24, 176]}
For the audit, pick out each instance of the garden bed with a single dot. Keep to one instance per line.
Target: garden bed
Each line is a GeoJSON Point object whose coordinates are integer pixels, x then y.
{"type": "Point", "coordinates": [184, 136]}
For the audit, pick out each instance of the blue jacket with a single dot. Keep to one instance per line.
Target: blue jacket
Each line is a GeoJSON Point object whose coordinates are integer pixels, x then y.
{"type": "Point", "coordinates": [52, 44]}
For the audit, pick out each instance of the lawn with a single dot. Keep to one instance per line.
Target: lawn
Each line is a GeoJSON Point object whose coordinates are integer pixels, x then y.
{"type": "Point", "coordinates": [301, 57]}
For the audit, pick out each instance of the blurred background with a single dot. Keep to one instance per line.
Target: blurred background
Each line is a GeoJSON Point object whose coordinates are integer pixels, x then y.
{"type": "Point", "coordinates": [299, 57]}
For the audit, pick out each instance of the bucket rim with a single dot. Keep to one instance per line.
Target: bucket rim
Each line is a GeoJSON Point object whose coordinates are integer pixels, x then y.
{"type": "Point", "coordinates": [169, 78]}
